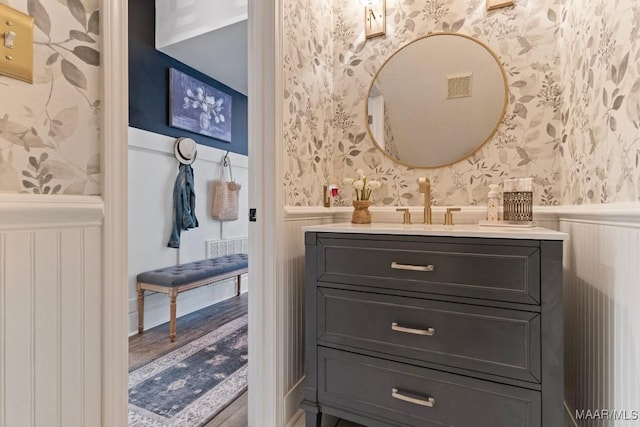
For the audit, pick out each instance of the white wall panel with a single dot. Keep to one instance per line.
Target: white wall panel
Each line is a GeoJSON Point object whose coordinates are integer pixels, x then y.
{"type": "Point", "coordinates": [602, 320]}
{"type": "Point", "coordinates": [19, 376]}
{"type": "Point", "coordinates": [92, 302]}
{"type": "Point", "coordinates": [293, 289]}
{"type": "Point", "coordinates": [47, 325]}
{"type": "Point", "coordinates": [50, 311]}
{"type": "Point", "coordinates": [72, 339]}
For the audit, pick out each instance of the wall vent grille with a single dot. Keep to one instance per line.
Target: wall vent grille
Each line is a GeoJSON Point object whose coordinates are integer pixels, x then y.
{"type": "Point", "coordinates": [459, 86]}
{"type": "Point", "coordinates": [216, 248]}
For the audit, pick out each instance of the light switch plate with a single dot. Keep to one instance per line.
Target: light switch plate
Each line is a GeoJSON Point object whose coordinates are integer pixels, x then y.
{"type": "Point", "coordinates": [16, 62]}
{"type": "Point", "coordinates": [497, 4]}
{"type": "Point", "coordinates": [375, 20]}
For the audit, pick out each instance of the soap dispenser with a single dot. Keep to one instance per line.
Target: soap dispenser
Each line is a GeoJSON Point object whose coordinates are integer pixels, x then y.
{"type": "Point", "coordinates": [493, 203]}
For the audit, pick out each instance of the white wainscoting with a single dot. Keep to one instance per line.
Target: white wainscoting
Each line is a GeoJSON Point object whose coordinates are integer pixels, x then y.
{"type": "Point", "coordinates": [293, 288]}
{"type": "Point", "coordinates": [50, 310]}
{"type": "Point", "coordinates": [602, 313]}
{"type": "Point", "coordinates": [152, 174]}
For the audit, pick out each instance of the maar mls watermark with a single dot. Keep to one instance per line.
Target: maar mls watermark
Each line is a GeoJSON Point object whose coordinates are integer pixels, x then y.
{"type": "Point", "coordinates": [608, 414]}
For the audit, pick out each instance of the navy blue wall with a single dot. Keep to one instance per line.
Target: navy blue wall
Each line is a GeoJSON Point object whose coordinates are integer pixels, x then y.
{"type": "Point", "coordinates": [149, 84]}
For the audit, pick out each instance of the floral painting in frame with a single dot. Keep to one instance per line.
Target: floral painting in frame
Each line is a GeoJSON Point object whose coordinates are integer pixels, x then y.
{"type": "Point", "coordinates": [197, 107]}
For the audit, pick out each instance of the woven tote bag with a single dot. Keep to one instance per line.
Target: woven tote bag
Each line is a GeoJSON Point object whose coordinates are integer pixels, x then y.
{"type": "Point", "coordinates": [225, 195]}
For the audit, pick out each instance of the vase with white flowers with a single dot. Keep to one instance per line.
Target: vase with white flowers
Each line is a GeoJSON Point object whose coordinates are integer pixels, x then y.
{"type": "Point", "coordinates": [363, 188]}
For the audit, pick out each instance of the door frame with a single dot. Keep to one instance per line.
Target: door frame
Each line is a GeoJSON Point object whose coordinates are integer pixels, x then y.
{"type": "Point", "coordinates": [266, 299]}
{"type": "Point", "coordinates": [266, 388]}
{"type": "Point", "coordinates": [115, 274]}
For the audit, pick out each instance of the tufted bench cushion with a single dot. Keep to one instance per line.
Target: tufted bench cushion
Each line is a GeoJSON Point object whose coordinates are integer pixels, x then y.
{"type": "Point", "coordinates": [183, 274]}
{"type": "Point", "coordinates": [179, 278]}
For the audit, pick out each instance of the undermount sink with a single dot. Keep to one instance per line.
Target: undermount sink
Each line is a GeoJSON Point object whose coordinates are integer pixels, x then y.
{"type": "Point", "coordinates": [458, 230]}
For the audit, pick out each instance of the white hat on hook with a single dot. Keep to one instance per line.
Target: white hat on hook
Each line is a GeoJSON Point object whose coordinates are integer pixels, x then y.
{"type": "Point", "coordinates": [185, 150]}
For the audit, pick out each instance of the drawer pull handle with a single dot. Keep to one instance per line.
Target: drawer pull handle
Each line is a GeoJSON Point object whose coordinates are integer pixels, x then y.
{"type": "Point", "coordinates": [398, 328]}
{"type": "Point", "coordinates": [429, 401]}
{"type": "Point", "coordinates": [398, 266]}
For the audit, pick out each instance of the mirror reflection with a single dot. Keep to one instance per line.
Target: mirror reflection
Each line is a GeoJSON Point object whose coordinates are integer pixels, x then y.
{"type": "Point", "coordinates": [437, 100]}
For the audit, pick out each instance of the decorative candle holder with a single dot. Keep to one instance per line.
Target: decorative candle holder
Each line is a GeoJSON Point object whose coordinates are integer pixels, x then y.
{"type": "Point", "coordinates": [518, 205]}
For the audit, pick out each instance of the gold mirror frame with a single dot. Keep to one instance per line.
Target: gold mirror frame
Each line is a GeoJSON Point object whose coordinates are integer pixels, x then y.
{"type": "Point", "coordinates": [480, 145]}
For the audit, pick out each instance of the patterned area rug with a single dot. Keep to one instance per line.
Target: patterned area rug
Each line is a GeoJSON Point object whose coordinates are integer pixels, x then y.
{"type": "Point", "coordinates": [192, 384]}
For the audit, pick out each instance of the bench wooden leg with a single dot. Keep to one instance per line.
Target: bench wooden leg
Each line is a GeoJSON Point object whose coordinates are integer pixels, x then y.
{"type": "Point", "coordinates": [140, 309]}
{"type": "Point", "coordinates": [172, 313]}
{"type": "Point", "coordinates": [239, 284]}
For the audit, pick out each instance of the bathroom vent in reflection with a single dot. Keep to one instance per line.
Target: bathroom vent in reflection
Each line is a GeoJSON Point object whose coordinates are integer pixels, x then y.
{"type": "Point", "coordinates": [458, 86]}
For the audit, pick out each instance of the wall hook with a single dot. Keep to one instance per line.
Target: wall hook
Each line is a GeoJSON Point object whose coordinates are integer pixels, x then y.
{"type": "Point", "coordinates": [225, 159]}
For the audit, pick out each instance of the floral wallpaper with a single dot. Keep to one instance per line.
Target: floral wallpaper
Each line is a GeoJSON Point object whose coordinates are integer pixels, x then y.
{"type": "Point", "coordinates": [49, 131]}
{"type": "Point", "coordinates": [308, 104]}
{"type": "Point", "coordinates": [524, 37]}
{"type": "Point", "coordinates": [600, 145]}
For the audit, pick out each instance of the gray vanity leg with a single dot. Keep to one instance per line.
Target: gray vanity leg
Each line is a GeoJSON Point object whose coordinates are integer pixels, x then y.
{"type": "Point", "coordinates": [313, 419]}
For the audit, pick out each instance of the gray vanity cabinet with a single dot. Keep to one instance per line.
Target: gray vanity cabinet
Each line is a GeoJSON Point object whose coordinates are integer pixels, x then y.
{"type": "Point", "coordinates": [411, 330]}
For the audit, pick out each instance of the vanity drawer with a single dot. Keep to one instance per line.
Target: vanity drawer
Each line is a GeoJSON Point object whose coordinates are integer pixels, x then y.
{"type": "Point", "coordinates": [423, 397]}
{"type": "Point", "coordinates": [483, 339]}
{"type": "Point", "coordinates": [494, 272]}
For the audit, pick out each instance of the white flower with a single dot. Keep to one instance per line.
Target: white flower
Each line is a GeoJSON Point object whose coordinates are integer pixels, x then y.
{"type": "Point", "coordinates": [197, 98]}
{"type": "Point", "coordinates": [363, 187]}
{"type": "Point", "coordinates": [375, 184]}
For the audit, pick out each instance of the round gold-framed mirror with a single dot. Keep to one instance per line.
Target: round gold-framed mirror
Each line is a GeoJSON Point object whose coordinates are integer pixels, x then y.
{"type": "Point", "coordinates": [436, 100]}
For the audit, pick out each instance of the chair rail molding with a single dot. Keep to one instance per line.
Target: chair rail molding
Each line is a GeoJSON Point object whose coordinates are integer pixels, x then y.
{"type": "Point", "coordinates": [33, 212]}
{"type": "Point", "coordinates": [625, 214]}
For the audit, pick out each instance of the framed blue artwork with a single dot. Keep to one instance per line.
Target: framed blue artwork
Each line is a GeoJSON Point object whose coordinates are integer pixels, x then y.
{"type": "Point", "coordinates": [197, 107]}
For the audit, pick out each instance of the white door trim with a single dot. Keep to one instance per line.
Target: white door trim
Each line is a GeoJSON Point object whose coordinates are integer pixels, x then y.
{"type": "Point", "coordinates": [115, 120]}
{"type": "Point", "coordinates": [266, 388]}
{"type": "Point", "coordinates": [266, 314]}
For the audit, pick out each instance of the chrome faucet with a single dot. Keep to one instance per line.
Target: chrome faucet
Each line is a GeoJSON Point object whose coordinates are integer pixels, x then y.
{"type": "Point", "coordinates": [424, 185]}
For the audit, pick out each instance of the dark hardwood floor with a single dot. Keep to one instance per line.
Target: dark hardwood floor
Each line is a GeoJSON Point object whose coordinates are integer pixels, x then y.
{"type": "Point", "coordinates": [154, 343]}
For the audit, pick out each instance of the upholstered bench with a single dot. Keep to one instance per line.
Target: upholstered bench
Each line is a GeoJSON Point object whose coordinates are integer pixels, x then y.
{"type": "Point", "coordinates": [179, 278]}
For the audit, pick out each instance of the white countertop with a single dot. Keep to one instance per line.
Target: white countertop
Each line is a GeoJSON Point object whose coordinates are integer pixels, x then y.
{"type": "Point", "coordinates": [462, 230]}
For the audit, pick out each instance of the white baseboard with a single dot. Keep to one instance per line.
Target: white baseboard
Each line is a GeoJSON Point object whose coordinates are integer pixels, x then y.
{"type": "Point", "coordinates": [156, 305]}
{"type": "Point", "coordinates": [297, 419]}
{"type": "Point", "coordinates": [292, 411]}
{"type": "Point", "coordinates": [569, 421]}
